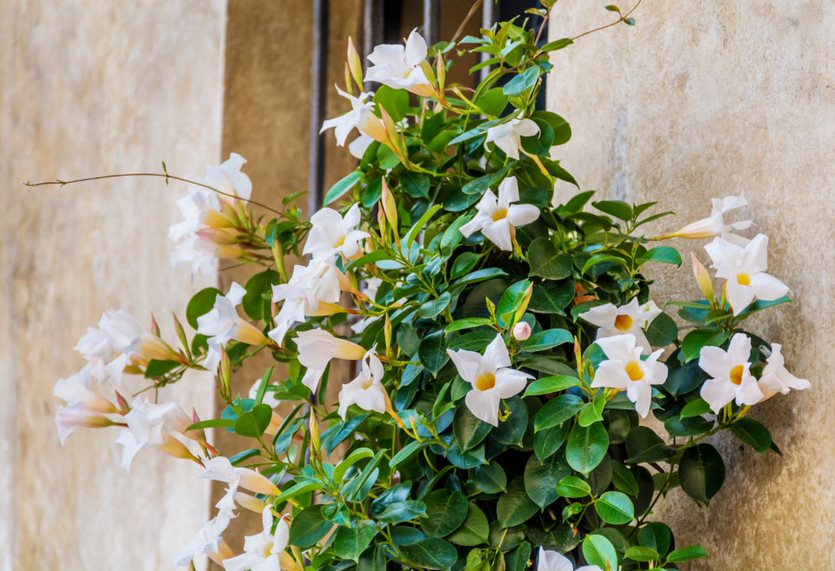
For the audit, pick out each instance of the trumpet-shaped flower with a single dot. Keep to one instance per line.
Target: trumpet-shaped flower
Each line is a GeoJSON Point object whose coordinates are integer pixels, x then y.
{"type": "Point", "coordinates": [715, 225]}
{"type": "Point", "coordinates": [88, 396]}
{"type": "Point", "coordinates": [730, 373]}
{"type": "Point", "coordinates": [491, 378]}
{"type": "Point", "coordinates": [316, 349]}
{"type": "Point", "coordinates": [222, 324]}
{"type": "Point", "coordinates": [117, 332]}
{"type": "Point", "coordinates": [332, 234]}
{"type": "Point", "coordinates": [631, 319]}
{"type": "Point", "coordinates": [776, 378]}
{"type": "Point", "coordinates": [353, 119]}
{"type": "Point", "coordinates": [264, 551]}
{"type": "Point", "coordinates": [552, 561]}
{"type": "Point", "coordinates": [400, 67]}
{"type": "Point", "coordinates": [312, 290]}
{"type": "Point", "coordinates": [208, 541]}
{"type": "Point", "coordinates": [228, 177]}
{"type": "Point", "coordinates": [366, 391]}
{"type": "Point", "coordinates": [192, 247]}
{"type": "Point", "coordinates": [626, 371]}
{"type": "Point", "coordinates": [744, 268]}
{"type": "Point", "coordinates": [220, 469]}
{"type": "Point", "coordinates": [508, 136]}
{"type": "Point", "coordinates": [498, 217]}
{"type": "Point", "coordinates": [162, 426]}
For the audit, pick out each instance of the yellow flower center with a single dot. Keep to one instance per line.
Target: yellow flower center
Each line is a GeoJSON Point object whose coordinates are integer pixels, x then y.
{"type": "Point", "coordinates": [367, 383]}
{"type": "Point", "coordinates": [500, 214]}
{"type": "Point", "coordinates": [623, 323]}
{"type": "Point", "coordinates": [634, 370]}
{"type": "Point", "coordinates": [339, 243]}
{"type": "Point", "coordinates": [485, 381]}
{"type": "Point", "coordinates": [743, 279]}
{"type": "Point", "coordinates": [736, 374]}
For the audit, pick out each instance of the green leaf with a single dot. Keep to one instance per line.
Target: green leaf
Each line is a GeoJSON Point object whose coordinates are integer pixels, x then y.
{"type": "Point", "coordinates": [432, 352]}
{"type": "Point", "coordinates": [511, 300]}
{"type": "Point", "coordinates": [394, 101]}
{"type": "Point", "coordinates": [644, 445]}
{"type": "Point", "coordinates": [598, 259]}
{"type": "Point", "coordinates": [522, 82]}
{"type": "Point", "coordinates": [201, 303]}
{"type": "Point", "coordinates": [492, 102]}
{"type": "Point", "coordinates": [573, 487]}
{"type": "Point", "coordinates": [616, 208]}
{"type": "Point", "coordinates": [547, 261]}
{"type": "Point", "coordinates": [557, 45]}
{"type": "Point", "coordinates": [259, 286]}
{"type": "Point", "coordinates": [157, 368]}
{"type": "Point", "coordinates": [557, 411]}
{"type": "Point", "coordinates": [489, 478]}
{"type": "Point", "coordinates": [512, 431]}
{"type": "Point", "coordinates": [599, 551]}
{"type": "Point", "coordinates": [662, 254]}
{"type": "Point", "coordinates": [467, 323]}
{"type": "Point", "coordinates": [341, 187]}
{"type": "Point", "coordinates": [254, 422]}
{"type": "Point", "coordinates": [474, 531]}
{"type": "Point", "coordinates": [434, 307]}
{"type": "Point", "coordinates": [547, 442]}
{"type": "Point", "coordinates": [212, 423]}
{"type": "Point", "coordinates": [693, 342]}
{"type": "Point", "coordinates": [468, 430]}
{"type": "Point", "coordinates": [350, 542]}
{"type": "Point", "coordinates": [586, 447]}
{"type": "Point", "coordinates": [695, 407]}
{"type": "Point", "coordinates": [551, 384]}
{"type": "Point", "coordinates": [541, 479]}
{"type": "Point", "coordinates": [687, 554]}
{"type": "Point", "coordinates": [551, 296]}
{"type": "Point", "coordinates": [662, 331]}
{"type": "Point", "coordinates": [547, 339]}
{"type": "Point", "coordinates": [446, 510]}
{"type": "Point", "coordinates": [753, 434]}
{"type": "Point", "coordinates": [615, 508]}
{"type": "Point", "coordinates": [514, 506]}
{"type": "Point", "coordinates": [400, 512]}
{"type": "Point", "coordinates": [416, 184]}
{"type": "Point", "coordinates": [407, 451]}
{"type": "Point", "coordinates": [642, 554]}
{"type": "Point", "coordinates": [657, 536]}
{"type": "Point", "coordinates": [431, 553]}
{"type": "Point", "coordinates": [352, 458]}
{"type": "Point", "coordinates": [308, 527]}
{"type": "Point", "coordinates": [701, 472]}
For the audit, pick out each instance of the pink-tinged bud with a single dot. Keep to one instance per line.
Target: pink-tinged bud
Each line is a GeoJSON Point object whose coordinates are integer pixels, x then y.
{"type": "Point", "coordinates": [151, 347]}
{"type": "Point", "coordinates": [250, 503]}
{"type": "Point", "coordinates": [176, 449]}
{"type": "Point", "coordinates": [70, 418]}
{"type": "Point", "coordinates": [258, 483]}
{"type": "Point", "coordinates": [702, 278]}
{"type": "Point", "coordinates": [219, 236]}
{"type": "Point", "coordinates": [522, 331]}
{"type": "Point", "coordinates": [249, 334]}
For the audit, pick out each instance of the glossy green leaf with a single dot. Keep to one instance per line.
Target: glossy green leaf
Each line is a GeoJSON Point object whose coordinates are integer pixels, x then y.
{"type": "Point", "coordinates": [586, 447]}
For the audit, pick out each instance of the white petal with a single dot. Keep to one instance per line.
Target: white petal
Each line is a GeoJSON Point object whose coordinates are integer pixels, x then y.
{"type": "Point", "coordinates": [611, 374]}
{"type": "Point", "coordinates": [547, 560]}
{"type": "Point", "coordinates": [510, 382]}
{"type": "Point", "coordinates": [717, 393]}
{"type": "Point", "coordinates": [739, 349]}
{"type": "Point", "coordinates": [466, 362]}
{"type": "Point", "coordinates": [714, 362]}
{"type": "Point", "coordinates": [508, 191]}
{"type": "Point", "coordinates": [601, 315]}
{"type": "Point", "coordinates": [311, 379]}
{"type": "Point", "coordinates": [496, 353]}
{"type": "Point", "coordinates": [755, 255]}
{"type": "Point", "coordinates": [748, 392]}
{"type": "Point", "coordinates": [416, 49]}
{"type": "Point", "coordinates": [484, 406]}
{"type": "Point", "coordinates": [522, 214]}
{"type": "Point", "coordinates": [499, 234]}
{"type": "Point", "coordinates": [640, 393]}
{"type": "Point", "coordinates": [526, 128]}
{"type": "Point", "coordinates": [739, 296]}
{"type": "Point", "coordinates": [474, 225]}
{"type": "Point", "coordinates": [619, 347]}
{"type": "Point", "coordinates": [767, 287]}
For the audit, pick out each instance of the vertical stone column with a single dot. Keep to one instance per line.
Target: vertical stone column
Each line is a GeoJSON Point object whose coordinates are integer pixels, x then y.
{"type": "Point", "coordinates": [89, 88]}
{"type": "Point", "coordinates": [704, 100]}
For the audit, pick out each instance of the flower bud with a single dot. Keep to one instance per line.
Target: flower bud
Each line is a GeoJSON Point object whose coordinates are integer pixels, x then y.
{"type": "Point", "coordinates": [702, 277]}
{"type": "Point", "coordinates": [522, 331]}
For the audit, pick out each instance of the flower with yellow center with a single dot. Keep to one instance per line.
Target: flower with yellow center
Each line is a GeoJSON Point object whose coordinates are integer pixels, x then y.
{"type": "Point", "coordinates": [264, 551]}
{"type": "Point", "coordinates": [744, 269]}
{"type": "Point", "coordinates": [401, 66]}
{"type": "Point", "coordinates": [366, 391]}
{"type": "Point", "coordinates": [316, 349]}
{"type": "Point", "coordinates": [715, 225]}
{"type": "Point", "coordinates": [776, 378]}
{"type": "Point", "coordinates": [631, 319]}
{"type": "Point", "coordinates": [332, 234]}
{"type": "Point", "coordinates": [491, 377]}
{"type": "Point", "coordinates": [624, 370]}
{"type": "Point", "coordinates": [499, 216]}
{"type": "Point", "coordinates": [730, 373]}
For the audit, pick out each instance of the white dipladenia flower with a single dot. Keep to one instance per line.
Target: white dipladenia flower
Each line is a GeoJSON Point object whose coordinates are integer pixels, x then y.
{"type": "Point", "coordinates": [508, 136]}
{"type": "Point", "coordinates": [744, 268]}
{"type": "Point", "coordinates": [730, 373]}
{"type": "Point", "coordinates": [356, 118]}
{"type": "Point", "coordinates": [88, 397]}
{"type": "Point", "coordinates": [491, 377]}
{"type": "Point", "coordinates": [313, 290]}
{"type": "Point", "coordinates": [220, 469]}
{"type": "Point", "coordinates": [776, 378]}
{"type": "Point", "coordinates": [264, 551]}
{"type": "Point", "coordinates": [626, 371]}
{"type": "Point", "coordinates": [316, 349]}
{"type": "Point", "coordinates": [498, 217]}
{"type": "Point", "coordinates": [552, 561]}
{"type": "Point", "coordinates": [366, 391]}
{"type": "Point", "coordinates": [631, 319]}
{"type": "Point", "coordinates": [222, 324]}
{"type": "Point", "coordinates": [209, 541]}
{"type": "Point", "coordinates": [715, 225]}
{"type": "Point", "coordinates": [190, 246]}
{"type": "Point", "coordinates": [332, 234]}
{"type": "Point", "coordinates": [400, 67]}
{"type": "Point", "coordinates": [117, 332]}
{"type": "Point", "coordinates": [162, 426]}
{"type": "Point", "coordinates": [228, 177]}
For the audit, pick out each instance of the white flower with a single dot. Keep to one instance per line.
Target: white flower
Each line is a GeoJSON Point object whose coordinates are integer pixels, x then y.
{"type": "Point", "coordinates": [220, 469]}
{"type": "Point", "coordinates": [316, 349]}
{"type": "Point", "coordinates": [715, 225]}
{"type": "Point", "coordinates": [222, 324]}
{"type": "Point", "coordinates": [744, 269]}
{"type": "Point", "coordinates": [312, 290]}
{"type": "Point", "coordinates": [190, 246]}
{"type": "Point", "coordinates": [498, 218]}
{"type": "Point", "coordinates": [730, 373]}
{"type": "Point", "coordinates": [162, 426]}
{"type": "Point", "coordinates": [491, 377]}
{"type": "Point", "coordinates": [358, 146]}
{"type": "Point", "coordinates": [263, 551]}
{"type": "Point", "coordinates": [228, 178]}
{"type": "Point", "coordinates": [117, 332]}
{"type": "Point", "coordinates": [552, 561]}
{"type": "Point", "coordinates": [624, 370]}
{"type": "Point", "coordinates": [508, 136]}
{"type": "Point", "coordinates": [353, 119]}
{"type": "Point", "coordinates": [366, 391]}
{"type": "Point", "coordinates": [332, 234]}
{"type": "Point", "coordinates": [88, 395]}
{"type": "Point", "coordinates": [70, 418]}
{"type": "Point", "coordinates": [776, 379]}
{"type": "Point", "coordinates": [631, 318]}
{"type": "Point", "coordinates": [400, 67]}
{"type": "Point", "coordinates": [208, 541]}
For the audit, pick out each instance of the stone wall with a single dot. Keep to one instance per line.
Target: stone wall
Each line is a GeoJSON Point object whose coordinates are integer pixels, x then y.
{"type": "Point", "coordinates": [704, 100]}
{"type": "Point", "coordinates": [88, 88]}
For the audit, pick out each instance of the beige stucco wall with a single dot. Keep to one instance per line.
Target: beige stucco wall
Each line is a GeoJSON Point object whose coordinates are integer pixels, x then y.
{"type": "Point", "coordinates": [91, 87]}
{"type": "Point", "coordinates": [701, 100]}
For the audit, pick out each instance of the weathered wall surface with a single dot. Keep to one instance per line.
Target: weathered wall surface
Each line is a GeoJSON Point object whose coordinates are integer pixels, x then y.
{"type": "Point", "coordinates": [87, 88]}
{"type": "Point", "coordinates": [703, 100]}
